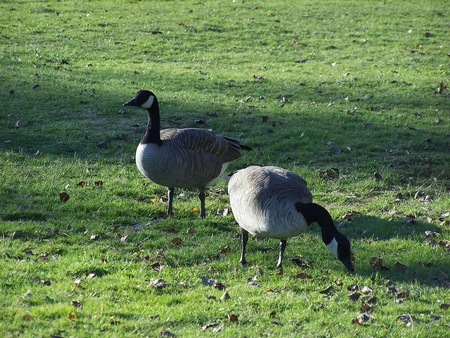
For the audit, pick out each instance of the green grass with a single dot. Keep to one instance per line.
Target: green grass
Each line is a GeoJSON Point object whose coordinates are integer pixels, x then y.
{"type": "Point", "coordinates": [83, 268]}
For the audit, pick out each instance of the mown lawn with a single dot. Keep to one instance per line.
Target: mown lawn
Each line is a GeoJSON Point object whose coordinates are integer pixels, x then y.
{"type": "Point", "coordinates": [352, 95]}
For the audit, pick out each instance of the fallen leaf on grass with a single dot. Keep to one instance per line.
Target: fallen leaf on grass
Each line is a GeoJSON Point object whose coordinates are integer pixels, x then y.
{"type": "Point", "coordinates": [81, 184]}
{"type": "Point", "coordinates": [378, 263]}
{"type": "Point", "coordinates": [219, 286]}
{"type": "Point", "coordinates": [444, 306]}
{"type": "Point", "coordinates": [225, 250]}
{"type": "Point", "coordinates": [399, 267]}
{"type": "Point", "coordinates": [208, 281]}
{"type": "Point", "coordinates": [158, 283]}
{"type": "Point", "coordinates": [165, 333]}
{"type": "Point", "coordinates": [405, 318]}
{"type": "Point", "coordinates": [76, 303]}
{"type": "Point", "coordinates": [177, 241]}
{"type": "Point", "coordinates": [157, 266]}
{"type": "Point", "coordinates": [303, 276]}
{"type": "Point", "coordinates": [354, 296]}
{"type": "Point", "coordinates": [233, 318]}
{"type": "Point", "coordinates": [361, 319]}
{"type": "Point", "coordinates": [377, 176]}
{"type": "Point", "coordinates": [253, 281]}
{"type": "Point", "coordinates": [366, 308]}
{"type": "Point", "coordinates": [302, 263]}
{"type": "Point", "coordinates": [98, 183]}
{"type": "Point", "coordinates": [64, 197]}
{"type": "Point", "coordinates": [28, 318]}
{"type": "Point", "coordinates": [402, 295]}
{"type": "Point", "coordinates": [223, 212]}
{"type": "Point", "coordinates": [353, 287]}
{"type": "Point", "coordinates": [72, 315]}
{"type": "Point", "coordinates": [366, 290]}
{"type": "Point", "coordinates": [225, 296]}
{"type": "Point", "coordinates": [207, 326]}
{"type": "Point", "coordinates": [327, 290]}
{"type": "Point", "coordinates": [441, 88]}
{"type": "Point", "coordinates": [349, 214]}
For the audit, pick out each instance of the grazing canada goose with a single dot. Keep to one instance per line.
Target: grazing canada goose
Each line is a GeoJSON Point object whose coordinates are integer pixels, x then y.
{"type": "Point", "coordinates": [276, 203]}
{"type": "Point", "coordinates": [181, 158]}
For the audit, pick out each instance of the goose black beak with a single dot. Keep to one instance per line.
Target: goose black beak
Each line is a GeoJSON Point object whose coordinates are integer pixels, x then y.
{"type": "Point", "coordinates": [348, 264]}
{"type": "Point", "coordinates": [130, 103]}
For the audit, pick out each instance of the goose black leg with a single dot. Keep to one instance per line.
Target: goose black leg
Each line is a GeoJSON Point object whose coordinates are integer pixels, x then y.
{"type": "Point", "coordinates": [244, 245]}
{"type": "Point", "coordinates": [280, 256]}
{"type": "Point", "coordinates": [201, 195]}
{"type": "Point", "coordinates": [169, 202]}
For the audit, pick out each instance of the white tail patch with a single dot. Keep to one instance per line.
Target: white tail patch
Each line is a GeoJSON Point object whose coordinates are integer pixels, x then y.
{"type": "Point", "coordinates": [332, 246]}
{"type": "Point", "coordinates": [147, 104]}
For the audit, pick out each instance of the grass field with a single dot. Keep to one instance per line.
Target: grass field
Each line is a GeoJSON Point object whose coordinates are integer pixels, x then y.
{"type": "Point", "coordinates": [352, 95]}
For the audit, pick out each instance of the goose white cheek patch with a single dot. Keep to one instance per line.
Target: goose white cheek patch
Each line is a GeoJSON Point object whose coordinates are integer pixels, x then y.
{"type": "Point", "coordinates": [332, 246]}
{"type": "Point", "coordinates": [149, 102]}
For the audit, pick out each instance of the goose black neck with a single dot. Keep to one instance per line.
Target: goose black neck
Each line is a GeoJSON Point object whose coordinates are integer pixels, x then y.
{"type": "Point", "coordinates": [313, 212]}
{"type": "Point", "coordinates": [153, 126]}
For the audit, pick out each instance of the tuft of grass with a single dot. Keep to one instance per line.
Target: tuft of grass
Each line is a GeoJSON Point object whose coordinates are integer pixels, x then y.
{"type": "Point", "coordinates": [352, 96]}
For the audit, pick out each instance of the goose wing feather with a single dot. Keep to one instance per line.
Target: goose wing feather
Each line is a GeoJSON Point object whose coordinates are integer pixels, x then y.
{"type": "Point", "coordinates": [199, 155]}
{"type": "Point", "coordinates": [201, 141]}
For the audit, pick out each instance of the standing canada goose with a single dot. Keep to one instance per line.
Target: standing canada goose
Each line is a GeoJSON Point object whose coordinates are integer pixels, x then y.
{"type": "Point", "coordinates": [276, 203]}
{"type": "Point", "coordinates": [181, 158]}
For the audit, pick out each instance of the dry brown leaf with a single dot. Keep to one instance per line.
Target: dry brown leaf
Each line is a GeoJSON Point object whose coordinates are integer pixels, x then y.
{"type": "Point", "coordinates": [177, 241]}
{"type": "Point", "coordinates": [219, 286]}
{"type": "Point", "coordinates": [207, 326]}
{"type": "Point", "coordinates": [399, 267]}
{"type": "Point", "coordinates": [353, 287]}
{"type": "Point", "coordinates": [64, 197]}
{"type": "Point", "coordinates": [327, 290]}
{"type": "Point", "coordinates": [302, 275]}
{"type": "Point", "coordinates": [225, 296]}
{"type": "Point", "coordinates": [302, 263]}
{"type": "Point", "coordinates": [28, 317]}
{"type": "Point", "coordinates": [354, 296]}
{"type": "Point", "coordinates": [361, 319]}
{"type": "Point", "coordinates": [366, 308]}
{"type": "Point", "coordinates": [366, 290]}
{"type": "Point", "coordinates": [208, 281]}
{"type": "Point", "coordinates": [72, 315]}
{"type": "Point", "coordinates": [233, 318]}
{"type": "Point", "coordinates": [225, 250]}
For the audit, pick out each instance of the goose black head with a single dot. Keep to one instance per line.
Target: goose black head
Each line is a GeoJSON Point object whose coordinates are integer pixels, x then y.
{"type": "Point", "coordinates": [340, 248]}
{"type": "Point", "coordinates": [337, 243]}
{"type": "Point", "coordinates": [144, 99]}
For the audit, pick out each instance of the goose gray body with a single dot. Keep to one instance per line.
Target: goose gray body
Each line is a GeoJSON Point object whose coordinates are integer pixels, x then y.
{"type": "Point", "coordinates": [274, 202]}
{"type": "Point", "coordinates": [181, 158]}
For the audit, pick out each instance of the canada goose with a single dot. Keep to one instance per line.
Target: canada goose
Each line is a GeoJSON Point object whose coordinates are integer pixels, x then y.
{"type": "Point", "coordinates": [276, 203]}
{"type": "Point", "coordinates": [181, 158]}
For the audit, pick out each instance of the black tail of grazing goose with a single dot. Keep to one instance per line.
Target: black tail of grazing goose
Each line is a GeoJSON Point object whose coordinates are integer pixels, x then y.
{"type": "Point", "coordinates": [181, 158]}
